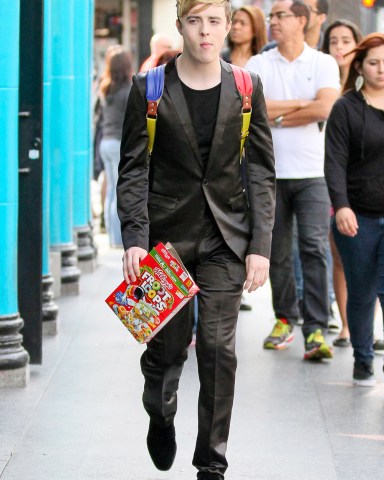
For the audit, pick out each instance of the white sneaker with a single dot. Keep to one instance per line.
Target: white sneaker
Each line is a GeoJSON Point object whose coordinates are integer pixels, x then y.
{"type": "Point", "coordinates": [363, 375]}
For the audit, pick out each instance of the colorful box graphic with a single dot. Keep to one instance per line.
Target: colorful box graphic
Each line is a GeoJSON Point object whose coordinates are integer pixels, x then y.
{"type": "Point", "coordinates": [163, 288]}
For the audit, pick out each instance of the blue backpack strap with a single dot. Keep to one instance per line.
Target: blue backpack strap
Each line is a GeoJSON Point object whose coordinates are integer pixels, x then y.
{"type": "Point", "coordinates": [154, 92]}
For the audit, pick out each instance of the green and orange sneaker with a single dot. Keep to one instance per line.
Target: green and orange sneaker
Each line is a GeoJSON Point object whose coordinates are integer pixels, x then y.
{"type": "Point", "coordinates": [280, 336]}
{"type": "Point", "coordinates": [316, 347]}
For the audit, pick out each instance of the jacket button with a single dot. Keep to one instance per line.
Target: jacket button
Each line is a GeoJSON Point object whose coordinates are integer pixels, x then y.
{"type": "Point", "coordinates": [205, 182]}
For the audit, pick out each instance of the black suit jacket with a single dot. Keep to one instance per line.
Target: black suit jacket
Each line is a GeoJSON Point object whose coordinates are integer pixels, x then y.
{"type": "Point", "coordinates": [163, 197]}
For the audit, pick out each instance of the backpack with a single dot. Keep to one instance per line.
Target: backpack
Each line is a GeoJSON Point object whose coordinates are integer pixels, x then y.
{"type": "Point", "coordinates": [154, 92]}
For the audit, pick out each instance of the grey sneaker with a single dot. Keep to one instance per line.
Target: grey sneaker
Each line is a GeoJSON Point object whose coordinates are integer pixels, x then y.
{"type": "Point", "coordinates": [316, 348]}
{"type": "Point", "coordinates": [280, 336]}
{"type": "Point", "coordinates": [363, 374]}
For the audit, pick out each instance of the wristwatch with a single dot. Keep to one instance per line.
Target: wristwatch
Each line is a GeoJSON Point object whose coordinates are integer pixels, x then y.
{"type": "Point", "coordinates": [278, 121]}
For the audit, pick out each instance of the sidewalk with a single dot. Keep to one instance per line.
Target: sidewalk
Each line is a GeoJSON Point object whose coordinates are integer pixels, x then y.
{"type": "Point", "coordinates": [81, 415]}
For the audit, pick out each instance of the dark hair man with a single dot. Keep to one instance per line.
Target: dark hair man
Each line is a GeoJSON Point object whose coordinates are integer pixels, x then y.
{"type": "Point", "coordinates": [300, 86]}
{"type": "Point", "coordinates": [318, 11]}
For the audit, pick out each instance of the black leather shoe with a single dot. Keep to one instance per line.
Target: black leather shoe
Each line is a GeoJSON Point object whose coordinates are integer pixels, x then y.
{"type": "Point", "coordinates": [209, 476]}
{"type": "Point", "coordinates": [161, 443]}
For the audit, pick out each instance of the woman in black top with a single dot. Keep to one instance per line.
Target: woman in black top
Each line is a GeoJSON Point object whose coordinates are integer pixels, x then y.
{"type": "Point", "coordinates": [354, 170]}
{"type": "Point", "coordinates": [340, 38]}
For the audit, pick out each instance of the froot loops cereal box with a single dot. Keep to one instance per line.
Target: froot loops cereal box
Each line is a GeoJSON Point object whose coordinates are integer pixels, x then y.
{"type": "Point", "coordinates": [162, 289]}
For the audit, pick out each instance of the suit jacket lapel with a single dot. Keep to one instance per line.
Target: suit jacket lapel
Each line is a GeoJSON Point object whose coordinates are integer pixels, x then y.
{"type": "Point", "coordinates": [226, 105]}
{"type": "Point", "coordinates": [175, 91]}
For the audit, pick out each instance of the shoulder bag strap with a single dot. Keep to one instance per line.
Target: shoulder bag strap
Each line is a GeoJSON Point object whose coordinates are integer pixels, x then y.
{"type": "Point", "coordinates": [154, 92]}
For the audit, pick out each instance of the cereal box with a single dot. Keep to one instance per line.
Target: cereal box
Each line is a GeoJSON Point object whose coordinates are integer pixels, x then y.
{"type": "Point", "coordinates": [162, 289]}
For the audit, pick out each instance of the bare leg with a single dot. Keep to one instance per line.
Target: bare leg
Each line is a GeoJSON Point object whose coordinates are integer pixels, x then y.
{"type": "Point", "coordinates": [340, 288]}
{"type": "Point", "coordinates": [378, 342]}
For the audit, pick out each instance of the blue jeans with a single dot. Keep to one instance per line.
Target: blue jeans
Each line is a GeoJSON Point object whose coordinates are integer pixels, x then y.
{"type": "Point", "coordinates": [363, 261]}
{"type": "Point", "coordinates": [110, 154]}
{"type": "Point", "coordinates": [308, 200]}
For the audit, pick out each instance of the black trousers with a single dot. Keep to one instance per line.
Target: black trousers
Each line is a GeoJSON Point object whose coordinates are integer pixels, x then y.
{"type": "Point", "coordinates": [307, 199]}
{"type": "Point", "coordinates": [220, 276]}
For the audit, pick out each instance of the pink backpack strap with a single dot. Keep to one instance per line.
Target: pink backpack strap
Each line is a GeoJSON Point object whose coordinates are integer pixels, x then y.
{"type": "Point", "coordinates": [244, 85]}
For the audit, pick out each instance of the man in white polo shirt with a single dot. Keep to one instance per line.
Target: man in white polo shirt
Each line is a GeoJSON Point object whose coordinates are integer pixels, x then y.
{"type": "Point", "coordinates": [300, 87]}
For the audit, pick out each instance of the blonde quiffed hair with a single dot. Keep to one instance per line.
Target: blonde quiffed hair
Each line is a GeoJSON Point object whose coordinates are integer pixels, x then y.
{"type": "Point", "coordinates": [184, 6]}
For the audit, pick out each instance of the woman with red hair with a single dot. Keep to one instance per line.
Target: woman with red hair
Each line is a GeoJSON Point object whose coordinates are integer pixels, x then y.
{"type": "Point", "coordinates": [340, 38]}
{"type": "Point", "coordinates": [354, 170]}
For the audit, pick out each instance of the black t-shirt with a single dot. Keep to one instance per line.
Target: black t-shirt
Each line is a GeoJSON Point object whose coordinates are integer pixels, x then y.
{"type": "Point", "coordinates": [203, 106]}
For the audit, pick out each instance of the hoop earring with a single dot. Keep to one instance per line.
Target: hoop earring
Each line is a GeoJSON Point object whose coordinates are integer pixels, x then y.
{"type": "Point", "coordinates": [359, 83]}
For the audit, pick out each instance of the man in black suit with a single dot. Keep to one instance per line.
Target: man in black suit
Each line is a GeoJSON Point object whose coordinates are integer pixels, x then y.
{"type": "Point", "coordinates": [189, 192]}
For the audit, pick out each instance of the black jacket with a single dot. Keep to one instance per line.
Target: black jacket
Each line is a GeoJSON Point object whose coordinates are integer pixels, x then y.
{"type": "Point", "coordinates": [354, 155]}
{"type": "Point", "coordinates": [163, 197]}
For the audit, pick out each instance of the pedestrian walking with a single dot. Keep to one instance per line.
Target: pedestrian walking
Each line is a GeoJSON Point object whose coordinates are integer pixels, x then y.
{"type": "Point", "coordinates": [247, 36]}
{"type": "Point", "coordinates": [98, 165]}
{"type": "Point", "coordinates": [300, 86]}
{"type": "Point", "coordinates": [355, 177]}
{"type": "Point", "coordinates": [313, 37]}
{"type": "Point", "coordinates": [189, 192]}
{"type": "Point", "coordinates": [318, 12]}
{"type": "Point", "coordinates": [340, 38]}
{"type": "Point", "coordinates": [114, 90]}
